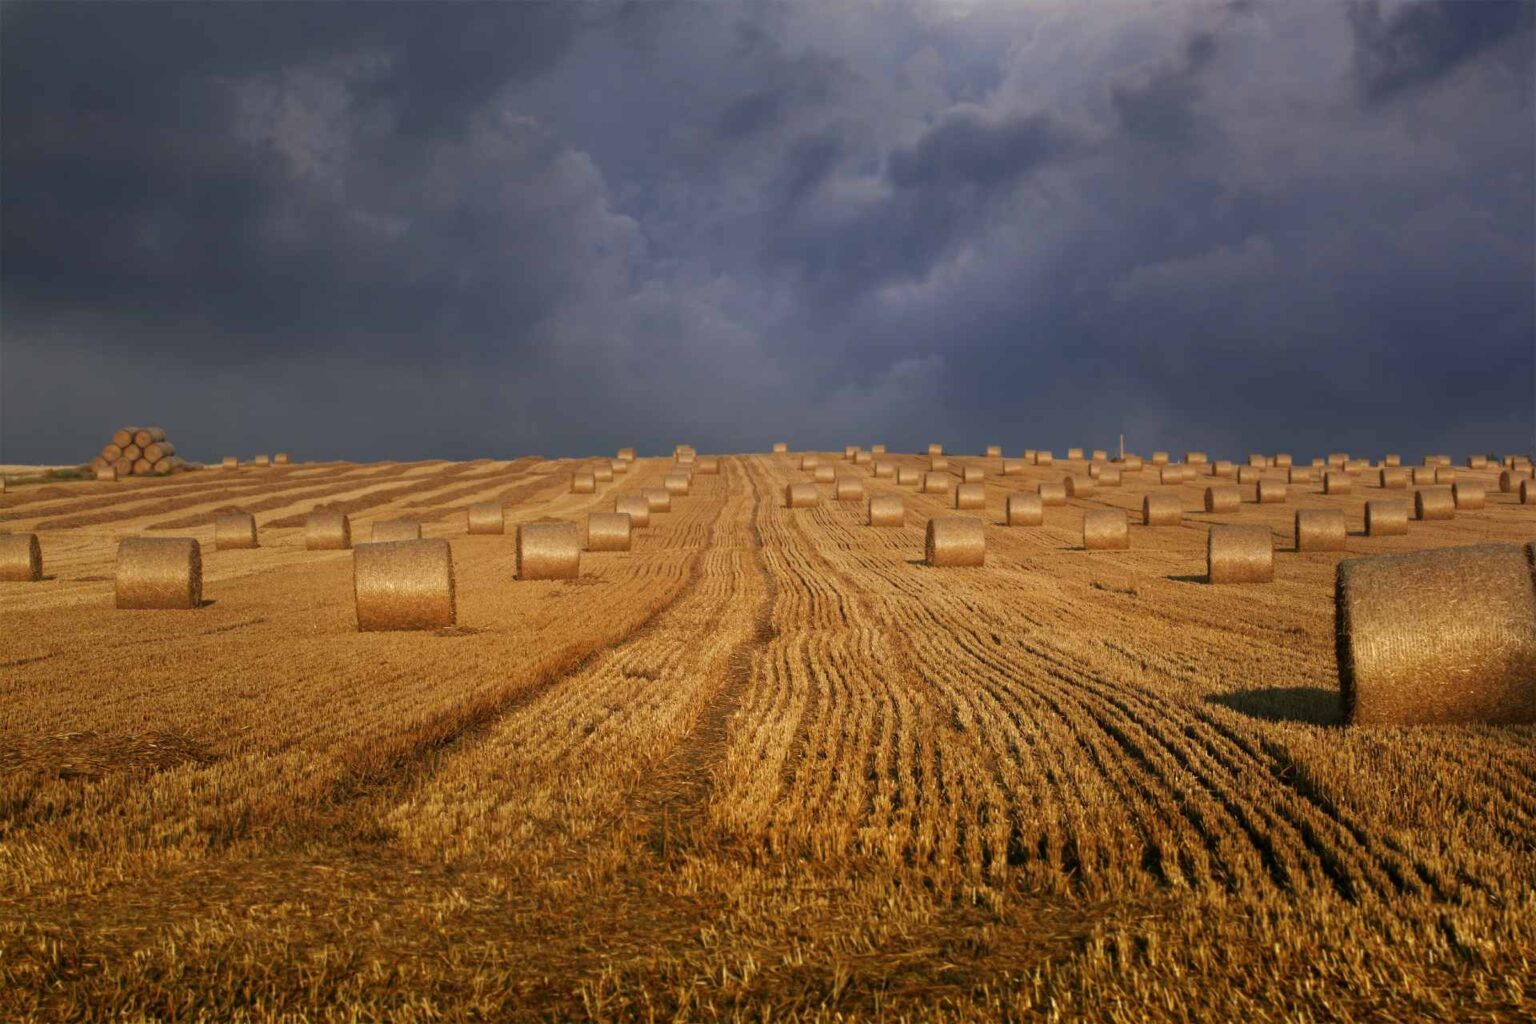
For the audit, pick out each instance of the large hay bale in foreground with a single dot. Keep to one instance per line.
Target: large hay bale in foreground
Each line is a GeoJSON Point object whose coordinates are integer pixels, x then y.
{"type": "Point", "coordinates": [1437, 637]}
{"type": "Point", "coordinates": [1162, 510]}
{"type": "Point", "coordinates": [405, 584]}
{"type": "Point", "coordinates": [955, 541]}
{"type": "Point", "coordinates": [1052, 493]}
{"type": "Point", "coordinates": [548, 551]}
{"type": "Point", "coordinates": [327, 530]}
{"type": "Point", "coordinates": [659, 498]}
{"type": "Point", "coordinates": [583, 482]}
{"type": "Point", "coordinates": [678, 483]}
{"type": "Point", "coordinates": [486, 517]}
{"type": "Point", "coordinates": [937, 483]}
{"type": "Point", "coordinates": [233, 531]}
{"type": "Point", "coordinates": [1106, 529]}
{"type": "Point", "coordinates": [1239, 554]}
{"type": "Point", "coordinates": [391, 531]}
{"type": "Point", "coordinates": [1321, 529]}
{"type": "Point", "coordinates": [1224, 498]}
{"type": "Point", "coordinates": [1434, 503]}
{"type": "Point", "coordinates": [801, 495]}
{"type": "Point", "coordinates": [636, 507]}
{"type": "Point", "coordinates": [1024, 510]}
{"type": "Point", "coordinates": [1386, 517]}
{"type": "Point", "coordinates": [1469, 495]}
{"type": "Point", "coordinates": [159, 572]}
{"type": "Point", "coordinates": [885, 510]}
{"type": "Point", "coordinates": [608, 531]}
{"type": "Point", "coordinates": [21, 558]}
{"type": "Point", "coordinates": [849, 488]}
{"type": "Point", "coordinates": [971, 496]}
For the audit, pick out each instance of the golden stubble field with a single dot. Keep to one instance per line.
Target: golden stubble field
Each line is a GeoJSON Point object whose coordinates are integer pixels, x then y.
{"type": "Point", "coordinates": [767, 765]}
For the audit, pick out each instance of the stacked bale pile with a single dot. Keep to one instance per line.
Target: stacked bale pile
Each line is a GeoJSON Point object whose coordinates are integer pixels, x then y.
{"type": "Point", "coordinates": [137, 451]}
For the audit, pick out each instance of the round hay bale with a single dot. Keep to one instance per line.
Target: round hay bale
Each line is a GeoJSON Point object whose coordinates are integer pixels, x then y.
{"type": "Point", "coordinates": [659, 499]}
{"type": "Point", "coordinates": [616, 466]}
{"type": "Point", "coordinates": [885, 469]}
{"type": "Point", "coordinates": [1357, 466]}
{"type": "Point", "coordinates": [1320, 529]}
{"type": "Point", "coordinates": [548, 551]}
{"type": "Point", "coordinates": [327, 530]}
{"type": "Point", "coordinates": [908, 476]}
{"type": "Point", "coordinates": [1043, 458]}
{"type": "Point", "coordinates": [935, 449]}
{"type": "Point", "coordinates": [1107, 476]}
{"type": "Point", "coordinates": [405, 584]}
{"type": "Point", "coordinates": [1434, 503]}
{"type": "Point", "coordinates": [1439, 460]}
{"type": "Point", "coordinates": [824, 474]}
{"type": "Point", "coordinates": [678, 483]}
{"type": "Point", "coordinates": [1392, 460]}
{"type": "Point", "coordinates": [862, 458]}
{"type": "Point", "coordinates": [1131, 463]}
{"type": "Point", "coordinates": [159, 572]}
{"type": "Point", "coordinates": [849, 451]}
{"type": "Point", "coordinates": [1319, 464]}
{"type": "Point", "coordinates": [280, 459]}
{"type": "Point", "coordinates": [1337, 460]}
{"type": "Point", "coordinates": [801, 495]}
{"type": "Point", "coordinates": [1170, 475]}
{"type": "Point", "coordinates": [877, 449]}
{"type": "Point", "coordinates": [1393, 478]}
{"type": "Point", "coordinates": [1098, 455]}
{"type": "Point", "coordinates": [1239, 554]}
{"type": "Point", "coordinates": [1444, 475]}
{"type": "Point", "coordinates": [158, 450]}
{"type": "Point", "coordinates": [1024, 510]}
{"type": "Point", "coordinates": [1052, 493]}
{"type": "Point", "coordinates": [107, 474]}
{"type": "Point", "coordinates": [234, 530]}
{"type": "Point", "coordinates": [1477, 462]}
{"type": "Point", "coordinates": [955, 541]}
{"type": "Point", "coordinates": [608, 531]}
{"type": "Point", "coordinates": [261, 460]}
{"type": "Point", "coordinates": [937, 483]}
{"type": "Point", "coordinates": [124, 467]}
{"type": "Point", "coordinates": [1509, 481]}
{"type": "Point", "coordinates": [1386, 517]}
{"type": "Point", "coordinates": [1270, 492]}
{"type": "Point", "coordinates": [627, 454]}
{"type": "Point", "coordinates": [164, 467]}
{"type": "Point", "coordinates": [1422, 475]}
{"type": "Point", "coordinates": [133, 453]}
{"type": "Point", "coordinates": [849, 488]}
{"type": "Point", "coordinates": [1527, 492]}
{"type": "Point", "coordinates": [1258, 461]}
{"type": "Point", "coordinates": [686, 458]}
{"type": "Point", "coordinates": [780, 447]}
{"type": "Point", "coordinates": [972, 475]}
{"type": "Point", "coordinates": [1196, 458]}
{"type": "Point", "coordinates": [1074, 455]}
{"type": "Point", "coordinates": [1078, 485]}
{"type": "Point", "coordinates": [21, 558]}
{"type": "Point", "coordinates": [124, 437]}
{"type": "Point", "coordinates": [1281, 461]}
{"type": "Point", "coordinates": [1468, 495]}
{"type": "Point", "coordinates": [389, 531]}
{"type": "Point", "coordinates": [1249, 475]}
{"type": "Point", "coordinates": [1223, 468]}
{"type": "Point", "coordinates": [994, 451]}
{"type": "Point", "coordinates": [636, 507]}
{"type": "Point", "coordinates": [143, 467]}
{"type": "Point", "coordinates": [146, 436]}
{"type": "Point", "coordinates": [809, 461]}
{"type": "Point", "coordinates": [971, 496]}
{"type": "Point", "coordinates": [485, 517]}
{"type": "Point", "coordinates": [583, 482]}
{"type": "Point", "coordinates": [98, 463]}
{"type": "Point", "coordinates": [1162, 510]}
{"type": "Point", "coordinates": [1223, 498]}
{"type": "Point", "coordinates": [1159, 458]}
{"type": "Point", "coordinates": [1106, 529]}
{"type": "Point", "coordinates": [1336, 481]}
{"type": "Point", "coordinates": [1437, 637]}
{"type": "Point", "coordinates": [112, 452]}
{"type": "Point", "coordinates": [1013, 467]}
{"type": "Point", "coordinates": [886, 510]}
{"type": "Point", "coordinates": [230, 462]}
{"type": "Point", "coordinates": [602, 473]}
{"type": "Point", "coordinates": [938, 464]}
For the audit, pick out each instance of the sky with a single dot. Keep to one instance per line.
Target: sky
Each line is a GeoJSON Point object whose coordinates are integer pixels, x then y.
{"type": "Point", "coordinates": [403, 231]}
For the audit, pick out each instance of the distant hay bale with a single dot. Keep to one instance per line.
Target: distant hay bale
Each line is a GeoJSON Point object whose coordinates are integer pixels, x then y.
{"type": "Point", "coordinates": [1258, 461]}
{"type": "Point", "coordinates": [1477, 462]}
{"type": "Point", "coordinates": [1386, 517]}
{"type": "Point", "coordinates": [636, 507]}
{"type": "Point", "coordinates": [158, 450]}
{"type": "Point", "coordinates": [1439, 460]}
{"type": "Point", "coordinates": [1195, 458]}
{"type": "Point", "coordinates": [159, 572]}
{"type": "Point", "coordinates": [884, 468]}
{"type": "Point", "coordinates": [1357, 465]}
{"type": "Point", "coordinates": [994, 451]}
{"type": "Point", "coordinates": [955, 541]}
{"type": "Point", "coordinates": [627, 454]}
{"type": "Point", "coordinates": [1249, 474]}
{"type": "Point", "coordinates": [280, 459]}
{"type": "Point", "coordinates": [849, 451]}
{"type": "Point", "coordinates": [390, 531]}
{"type": "Point", "coordinates": [937, 483]}
{"type": "Point", "coordinates": [234, 530]}
{"type": "Point", "coordinates": [1107, 476]}
{"type": "Point", "coordinates": [1170, 475]}
{"type": "Point", "coordinates": [780, 447]}
{"type": "Point", "coordinates": [1281, 461]}
{"type": "Point", "coordinates": [1434, 503]}
{"type": "Point", "coordinates": [107, 473]}
{"type": "Point", "coordinates": [908, 476]}
{"type": "Point", "coordinates": [1078, 485]}
{"type": "Point", "coordinates": [1437, 637]}
{"type": "Point", "coordinates": [111, 452]}
{"type": "Point", "coordinates": [1223, 468]}
{"type": "Point", "coordinates": [327, 530]}
{"type": "Point", "coordinates": [1319, 464]}
{"type": "Point", "coordinates": [133, 453]}
{"type": "Point", "coordinates": [1098, 455]}
{"type": "Point", "coordinates": [862, 458]}
{"type": "Point", "coordinates": [602, 473]}
{"type": "Point", "coordinates": [143, 467]}
{"type": "Point", "coordinates": [972, 475]}
{"type": "Point", "coordinates": [877, 449]}
{"type": "Point", "coordinates": [678, 483]}
{"type": "Point", "coordinates": [1013, 467]}
{"type": "Point", "coordinates": [583, 482]}
{"type": "Point", "coordinates": [824, 474]}
{"type": "Point", "coordinates": [616, 466]}
{"type": "Point", "coordinates": [1024, 510]}
{"type": "Point", "coordinates": [686, 458]}
{"type": "Point", "coordinates": [1444, 475]}
{"type": "Point", "coordinates": [405, 584]}
{"type": "Point", "coordinates": [885, 510]}
{"type": "Point", "coordinates": [849, 488]}
{"type": "Point", "coordinates": [608, 531]}
{"type": "Point", "coordinates": [1159, 458]}
{"type": "Point", "coordinates": [1392, 460]}
{"type": "Point", "coordinates": [1527, 492]}
{"type": "Point", "coordinates": [1270, 492]}
{"type": "Point", "coordinates": [230, 462]}
{"type": "Point", "coordinates": [1223, 498]}
{"type": "Point", "coordinates": [1239, 554]}
{"type": "Point", "coordinates": [261, 460]}
{"type": "Point", "coordinates": [548, 551]}
{"type": "Point", "coordinates": [938, 463]}
{"type": "Point", "coordinates": [1423, 474]}
{"type": "Point", "coordinates": [801, 495]}
{"type": "Point", "coordinates": [1074, 455]}
{"type": "Point", "coordinates": [1131, 464]}
{"type": "Point", "coordinates": [1162, 510]}
{"type": "Point", "coordinates": [146, 436]}
{"type": "Point", "coordinates": [658, 498]}
{"type": "Point", "coordinates": [935, 449]}
{"type": "Point", "coordinates": [1106, 529]}
{"type": "Point", "coordinates": [1336, 481]}
{"type": "Point", "coordinates": [971, 496]}
{"type": "Point", "coordinates": [809, 461]}
{"type": "Point", "coordinates": [124, 467]}
{"type": "Point", "coordinates": [21, 558]}
{"type": "Point", "coordinates": [1337, 460]}
{"type": "Point", "coordinates": [1468, 495]}
{"type": "Point", "coordinates": [1393, 478]}
{"type": "Point", "coordinates": [1043, 458]}
{"type": "Point", "coordinates": [485, 517]}
{"type": "Point", "coordinates": [1321, 529]}
{"type": "Point", "coordinates": [1052, 493]}
{"type": "Point", "coordinates": [165, 466]}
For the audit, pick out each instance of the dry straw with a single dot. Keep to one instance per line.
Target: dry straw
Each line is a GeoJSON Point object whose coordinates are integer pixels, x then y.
{"type": "Point", "coordinates": [1336, 481]}
{"type": "Point", "coordinates": [1434, 503]}
{"type": "Point", "coordinates": [261, 460]}
{"type": "Point", "coordinates": [1337, 460]}
{"type": "Point", "coordinates": [230, 462]}
{"type": "Point", "coordinates": [1013, 467]}
{"type": "Point", "coordinates": [1024, 510]}
{"type": "Point", "coordinates": [21, 558]}
{"type": "Point", "coordinates": [1162, 510]}
{"type": "Point", "coordinates": [659, 498]}
{"type": "Point", "coordinates": [1106, 529]}
{"type": "Point", "coordinates": [124, 437]}
{"type": "Point", "coordinates": [824, 474]}
{"type": "Point", "coordinates": [884, 469]}
{"type": "Point", "coordinates": [583, 482]}
{"type": "Point", "coordinates": [907, 476]}
{"type": "Point", "coordinates": [955, 541]}
{"type": "Point", "coordinates": [780, 447]}
{"type": "Point", "coordinates": [636, 507]}
{"type": "Point", "coordinates": [677, 483]}
{"type": "Point", "coordinates": [973, 475]}
{"type": "Point", "coordinates": [1078, 485]}
{"type": "Point", "coordinates": [1259, 461]}
{"type": "Point", "coordinates": [971, 496]}
{"type": "Point", "coordinates": [849, 488]}
{"type": "Point", "coordinates": [159, 450]}
{"type": "Point", "coordinates": [1423, 475]}
{"type": "Point", "coordinates": [1239, 554]}
{"type": "Point", "coordinates": [1270, 492]}
{"type": "Point", "coordinates": [937, 483]}
{"type": "Point", "coordinates": [1098, 455]}
{"type": "Point", "coordinates": [1468, 495]}
{"type": "Point", "coordinates": [159, 572]}
{"type": "Point", "coordinates": [938, 463]}
{"type": "Point", "coordinates": [1052, 493]}
{"type": "Point", "coordinates": [485, 517]}
{"type": "Point", "coordinates": [602, 473]}
{"type": "Point", "coordinates": [327, 530]}
{"type": "Point", "coordinates": [389, 531]}
{"type": "Point", "coordinates": [1043, 458]}
{"type": "Point", "coordinates": [1320, 529]}
{"type": "Point", "coordinates": [1393, 478]}
{"type": "Point", "coordinates": [234, 530]}
{"type": "Point", "coordinates": [1159, 458]}
{"type": "Point", "coordinates": [801, 495]}
{"type": "Point", "coordinates": [994, 451]}
{"type": "Point", "coordinates": [1386, 517]}
{"type": "Point", "coordinates": [548, 551]}
{"type": "Point", "coordinates": [1223, 498]}
{"type": "Point", "coordinates": [142, 467]}
{"type": "Point", "coordinates": [608, 531]}
{"type": "Point", "coordinates": [886, 510]}
{"type": "Point", "coordinates": [1438, 637]}
{"type": "Point", "coordinates": [404, 584]}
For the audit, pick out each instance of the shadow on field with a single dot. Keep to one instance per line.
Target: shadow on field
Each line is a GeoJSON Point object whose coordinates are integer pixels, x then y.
{"type": "Point", "coordinates": [1312, 704]}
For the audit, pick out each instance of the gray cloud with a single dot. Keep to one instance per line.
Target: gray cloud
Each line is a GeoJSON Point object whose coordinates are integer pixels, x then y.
{"type": "Point", "coordinates": [1413, 44]}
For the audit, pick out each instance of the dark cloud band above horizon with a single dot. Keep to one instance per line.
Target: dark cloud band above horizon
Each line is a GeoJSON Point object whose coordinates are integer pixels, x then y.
{"type": "Point", "coordinates": [418, 230]}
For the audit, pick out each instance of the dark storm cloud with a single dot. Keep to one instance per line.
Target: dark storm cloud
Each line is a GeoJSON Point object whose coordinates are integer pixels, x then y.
{"type": "Point", "coordinates": [1413, 44]}
{"type": "Point", "coordinates": [1159, 104]}
{"type": "Point", "coordinates": [966, 148]}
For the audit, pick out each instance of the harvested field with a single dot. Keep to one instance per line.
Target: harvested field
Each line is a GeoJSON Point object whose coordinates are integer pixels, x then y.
{"type": "Point", "coordinates": [765, 764]}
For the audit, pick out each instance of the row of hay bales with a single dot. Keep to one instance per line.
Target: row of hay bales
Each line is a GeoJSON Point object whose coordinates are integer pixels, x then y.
{"type": "Point", "coordinates": [261, 461]}
{"type": "Point", "coordinates": [136, 451]}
